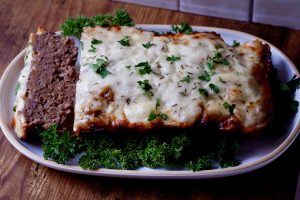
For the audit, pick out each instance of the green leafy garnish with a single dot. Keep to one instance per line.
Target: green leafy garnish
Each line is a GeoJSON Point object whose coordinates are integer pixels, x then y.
{"type": "Point", "coordinates": [25, 58]}
{"type": "Point", "coordinates": [203, 92]}
{"type": "Point", "coordinates": [229, 107]}
{"type": "Point", "coordinates": [156, 153]}
{"type": "Point", "coordinates": [93, 43]}
{"type": "Point", "coordinates": [284, 87]}
{"type": "Point", "coordinates": [93, 49]}
{"type": "Point", "coordinates": [221, 80]}
{"type": "Point", "coordinates": [235, 43]}
{"type": "Point", "coordinates": [225, 62]}
{"type": "Point", "coordinates": [101, 154]}
{"type": "Point", "coordinates": [122, 18]}
{"type": "Point", "coordinates": [58, 146]}
{"type": "Point", "coordinates": [293, 106]}
{"type": "Point", "coordinates": [217, 55]}
{"type": "Point", "coordinates": [291, 85]}
{"type": "Point", "coordinates": [216, 59]}
{"type": "Point", "coordinates": [173, 58]}
{"type": "Point", "coordinates": [143, 68]}
{"type": "Point", "coordinates": [128, 66]}
{"type": "Point", "coordinates": [157, 104]}
{"type": "Point", "coordinates": [149, 151]}
{"type": "Point", "coordinates": [15, 108]}
{"type": "Point", "coordinates": [287, 90]}
{"type": "Point", "coordinates": [125, 151]}
{"type": "Point", "coordinates": [182, 28]}
{"type": "Point", "coordinates": [100, 67]}
{"type": "Point", "coordinates": [214, 88]}
{"type": "Point", "coordinates": [145, 85]}
{"type": "Point", "coordinates": [210, 63]}
{"type": "Point", "coordinates": [186, 79]}
{"type": "Point", "coordinates": [201, 163]}
{"type": "Point", "coordinates": [160, 116]}
{"type": "Point", "coordinates": [227, 150]}
{"type": "Point", "coordinates": [218, 46]}
{"type": "Point", "coordinates": [148, 45]}
{"type": "Point", "coordinates": [74, 26]}
{"type": "Point", "coordinates": [205, 76]}
{"type": "Point", "coordinates": [18, 86]}
{"type": "Point", "coordinates": [125, 41]}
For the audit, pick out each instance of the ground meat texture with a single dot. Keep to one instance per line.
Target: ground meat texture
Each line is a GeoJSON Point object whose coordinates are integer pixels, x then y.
{"type": "Point", "coordinates": [51, 85]}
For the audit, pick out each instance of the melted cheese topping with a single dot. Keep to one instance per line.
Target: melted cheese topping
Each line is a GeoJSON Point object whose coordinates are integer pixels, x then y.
{"type": "Point", "coordinates": [180, 100]}
{"type": "Point", "coordinates": [20, 93]}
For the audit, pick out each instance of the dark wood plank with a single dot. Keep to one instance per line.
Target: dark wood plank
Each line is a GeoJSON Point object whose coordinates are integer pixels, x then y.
{"type": "Point", "coordinates": [21, 178]}
{"type": "Point", "coordinates": [291, 46]}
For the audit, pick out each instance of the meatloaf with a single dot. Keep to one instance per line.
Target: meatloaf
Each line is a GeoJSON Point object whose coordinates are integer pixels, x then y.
{"type": "Point", "coordinates": [135, 79]}
{"type": "Point", "coordinates": [45, 90]}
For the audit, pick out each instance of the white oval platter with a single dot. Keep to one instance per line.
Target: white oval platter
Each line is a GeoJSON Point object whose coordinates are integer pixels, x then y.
{"type": "Point", "coordinates": [254, 154]}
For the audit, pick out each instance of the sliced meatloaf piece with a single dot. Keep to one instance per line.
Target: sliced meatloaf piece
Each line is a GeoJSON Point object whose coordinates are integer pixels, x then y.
{"type": "Point", "coordinates": [45, 91]}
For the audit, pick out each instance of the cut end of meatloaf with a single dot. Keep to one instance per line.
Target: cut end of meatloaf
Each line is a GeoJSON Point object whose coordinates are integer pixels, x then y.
{"type": "Point", "coordinates": [49, 94]}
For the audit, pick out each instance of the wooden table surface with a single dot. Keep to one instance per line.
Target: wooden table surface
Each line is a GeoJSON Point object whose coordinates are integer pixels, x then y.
{"type": "Point", "coordinates": [20, 178]}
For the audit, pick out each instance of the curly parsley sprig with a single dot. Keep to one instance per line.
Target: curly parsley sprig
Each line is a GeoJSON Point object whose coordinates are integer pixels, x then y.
{"type": "Point", "coordinates": [74, 26]}
{"type": "Point", "coordinates": [182, 28]}
{"type": "Point", "coordinates": [59, 147]}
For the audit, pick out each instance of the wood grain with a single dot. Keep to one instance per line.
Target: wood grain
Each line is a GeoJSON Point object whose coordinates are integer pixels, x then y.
{"type": "Point", "coordinates": [20, 178]}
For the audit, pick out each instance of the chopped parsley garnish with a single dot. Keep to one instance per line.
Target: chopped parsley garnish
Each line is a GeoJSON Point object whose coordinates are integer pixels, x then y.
{"type": "Point", "coordinates": [173, 58]}
{"type": "Point", "coordinates": [125, 41]}
{"type": "Point", "coordinates": [229, 107]}
{"type": "Point", "coordinates": [148, 150]}
{"type": "Point", "coordinates": [94, 42]}
{"type": "Point", "coordinates": [25, 58]}
{"type": "Point", "coordinates": [221, 80]}
{"type": "Point", "coordinates": [201, 163]}
{"type": "Point", "coordinates": [217, 55]}
{"type": "Point", "coordinates": [18, 86]}
{"type": "Point", "coordinates": [226, 151]}
{"type": "Point", "coordinates": [205, 76]}
{"type": "Point", "coordinates": [288, 89]}
{"type": "Point", "coordinates": [293, 105]}
{"type": "Point", "coordinates": [121, 18]}
{"type": "Point", "coordinates": [203, 92]}
{"type": "Point", "coordinates": [284, 87]}
{"type": "Point", "coordinates": [157, 104]}
{"type": "Point", "coordinates": [186, 79]}
{"type": "Point", "coordinates": [143, 68]}
{"type": "Point", "coordinates": [160, 116]}
{"type": "Point", "coordinates": [217, 59]}
{"type": "Point", "coordinates": [145, 85]}
{"type": "Point", "coordinates": [128, 66]}
{"type": "Point", "coordinates": [214, 88]}
{"type": "Point", "coordinates": [219, 46]}
{"type": "Point", "coordinates": [292, 85]}
{"type": "Point", "coordinates": [148, 45]}
{"type": "Point", "coordinates": [15, 108]}
{"type": "Point", "coordinates": [225, 62]}
{"type": "Point", "coordinates": [182, 28]}
{"type": "Point", "coordinates": [210, 63]}
{"type": "Point", "coordinates": [74, 26]}
{"type": "Point", "coordinates": [235, 43]}
{"type": "Point", "coordinates": [100, 67]}
{"type": "Point", "coordinates": [59, 147]}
